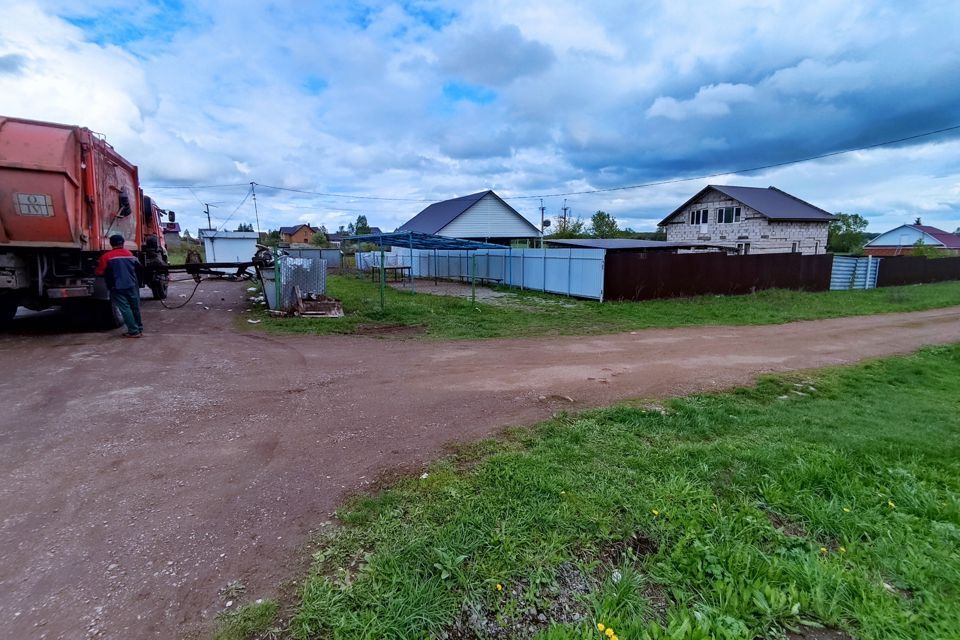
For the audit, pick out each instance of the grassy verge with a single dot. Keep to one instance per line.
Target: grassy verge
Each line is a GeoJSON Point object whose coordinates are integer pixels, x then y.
{"type": "Point", "coordinates": [531, 314]}
{"type": "Point", "coordinates": [178, 254]}
{"type": "Point", "coordinates": [250, 621]}
{"type": "Point", "coordinates": [830, 498]}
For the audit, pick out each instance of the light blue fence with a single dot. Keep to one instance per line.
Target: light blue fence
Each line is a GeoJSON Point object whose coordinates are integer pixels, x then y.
{"type": "Point", "coordinates": [854, 273]}
{"type": "Point", "coordinates": [332, 256]}
{"type": "Point", "coordinates": [572, 272]}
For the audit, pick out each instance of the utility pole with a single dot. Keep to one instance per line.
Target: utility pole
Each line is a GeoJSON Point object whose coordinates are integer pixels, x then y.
{"type": "Point", "coordinates": [542, 210]}
{"type": "Point", "coordinates": [566, 209]}
{"type": "Point", "coordinates": [207, 206]}
{"type": "Point", "coordinates": [256, 212]}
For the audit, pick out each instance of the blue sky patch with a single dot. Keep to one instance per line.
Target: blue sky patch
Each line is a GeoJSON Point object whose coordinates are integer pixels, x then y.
{"type": "Point", "coordinates": [314, 85]}
{"type": "Point", "coordinates": [156, 20]}
{"type": "Point", "coordinates": [459, 91]}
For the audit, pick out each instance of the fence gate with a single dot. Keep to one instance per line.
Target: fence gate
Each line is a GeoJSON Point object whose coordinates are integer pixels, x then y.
{"type": "Point", "coordinates": [850, 272]}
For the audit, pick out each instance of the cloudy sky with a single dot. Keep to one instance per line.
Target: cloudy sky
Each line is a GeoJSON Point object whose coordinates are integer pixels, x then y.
{"type": "Point", "coordinates": [416, 101]}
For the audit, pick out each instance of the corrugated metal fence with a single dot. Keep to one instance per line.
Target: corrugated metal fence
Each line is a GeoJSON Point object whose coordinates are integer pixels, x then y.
{"type": "Point", "coordinates": [332, 256]}
{"type": "Point", "coordinates": [917, 269]}
{"type": "Point", "coordinates": [854, 273]}
{"type": "Point", "coordinates": [645, 276]}
{"type": "Point", "coordinates": [572, 272]}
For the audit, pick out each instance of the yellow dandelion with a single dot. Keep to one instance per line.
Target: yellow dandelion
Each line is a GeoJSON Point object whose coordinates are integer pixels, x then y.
{"type": "Point", "coordinates": [600, 626]}
{"type": "Point", "coordinates": [656, 514]}
{"type": "Point", "coordinates": [846, 509]}
{"type": "Point", "coordinates": [499, 587]}
{"type": "Point", "coordinates": [614, 637]}
{"type": "Point", "coordinates": [609, 632]}
{"type": "Point", "coordinates": [823, 549]}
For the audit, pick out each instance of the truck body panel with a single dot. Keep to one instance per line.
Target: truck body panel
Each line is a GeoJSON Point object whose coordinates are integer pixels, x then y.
{"type": "Point", "coordinates": [63, 192]}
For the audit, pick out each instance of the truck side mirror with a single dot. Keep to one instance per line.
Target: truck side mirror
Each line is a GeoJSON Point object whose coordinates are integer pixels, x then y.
{"type": "Point", "coordinates": [172, 216]}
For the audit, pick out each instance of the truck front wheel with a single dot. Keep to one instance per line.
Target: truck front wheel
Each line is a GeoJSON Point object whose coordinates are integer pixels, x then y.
{"type": "Point", "coordinates": [159, 287]}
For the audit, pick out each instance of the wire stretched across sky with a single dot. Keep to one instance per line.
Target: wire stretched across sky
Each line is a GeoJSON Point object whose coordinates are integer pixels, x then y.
{"type": "Point", "coordinates": [644, 185]}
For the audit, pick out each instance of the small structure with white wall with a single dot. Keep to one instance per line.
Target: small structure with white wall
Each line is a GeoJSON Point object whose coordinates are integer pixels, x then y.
{"type": "Point", "coordinates": [482, 216]}
{"type": "Point", "coordinates": [228, 246]}
{"type": "Point", "coordinates": [903, 240]}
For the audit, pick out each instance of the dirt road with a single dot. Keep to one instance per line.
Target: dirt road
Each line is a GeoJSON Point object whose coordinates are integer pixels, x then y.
{"type": "Point", "coordinates": [138, 477]}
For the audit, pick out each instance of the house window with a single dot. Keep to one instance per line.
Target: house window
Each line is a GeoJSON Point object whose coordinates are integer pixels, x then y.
{"type": "Point", "coordinates": [699, 216]}
{"type": "Point", "coordinates": [727, 215]}
{"type": "Point", "coordinates": [743, 248]}
{"type": "Point", "coordinates": [793, 247]}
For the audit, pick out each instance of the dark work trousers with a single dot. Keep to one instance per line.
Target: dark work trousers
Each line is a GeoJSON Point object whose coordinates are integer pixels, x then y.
{"type": "Point", "coordinates": [128, 302]}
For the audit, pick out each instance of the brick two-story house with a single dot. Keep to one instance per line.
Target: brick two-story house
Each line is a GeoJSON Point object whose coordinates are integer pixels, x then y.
{"type": "Point", "coordinates": [300, 234]}
{"type": "Point", "coordinates": [750, 219]}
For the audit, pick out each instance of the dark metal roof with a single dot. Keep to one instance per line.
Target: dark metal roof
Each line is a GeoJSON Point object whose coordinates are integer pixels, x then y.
{"type": "Point", "coordinates": [440, 214]}
{"type": "Point", "coordinates": [613, 244]}
{"type": "Point", "coordinates": [171, 227]}
{"type": "Point", "coordinates": [771, 202]}
{"type": "Point", "coordinates": [414, 240]}
{"type": "Point", "coordinates": [949, 240]}
{"type": "Point", "coordinates": [292, 230]}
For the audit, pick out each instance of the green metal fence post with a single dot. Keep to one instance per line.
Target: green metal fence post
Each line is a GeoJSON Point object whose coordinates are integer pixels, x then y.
{"type": "Point", "coordinates": [473, 277]}
{"type": "Point", "coordinates": [413, 286]}
{"type": "Point", "coordinates": [383, 274]}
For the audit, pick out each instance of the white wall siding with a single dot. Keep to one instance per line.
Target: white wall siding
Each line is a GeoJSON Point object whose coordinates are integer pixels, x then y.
{"type": "Point", "coordinates": [488, 218]}
{"type": "Point", "coordinates": [764, 235]}
{"type": "Point", "coordinates": [903, 237]}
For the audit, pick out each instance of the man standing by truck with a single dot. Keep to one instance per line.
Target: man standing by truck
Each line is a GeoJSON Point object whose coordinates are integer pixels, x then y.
{"type": "Point", "coordinates": [121, 270]}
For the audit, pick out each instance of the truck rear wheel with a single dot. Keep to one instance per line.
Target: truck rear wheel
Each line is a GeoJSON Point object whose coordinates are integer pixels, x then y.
{"type": "Point", "coordinates": [98, 315]}
{"type": "Point", "coordinates": [8, 309]}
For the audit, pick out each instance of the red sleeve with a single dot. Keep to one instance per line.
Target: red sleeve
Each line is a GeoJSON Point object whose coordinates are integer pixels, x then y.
{"type": "Point", "coordinates": [102, 264]}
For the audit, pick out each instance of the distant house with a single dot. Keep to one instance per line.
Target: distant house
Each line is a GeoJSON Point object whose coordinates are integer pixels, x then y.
{"type": "Point", "coordinates": [171, 234]}
{"type": "Point", "coordinates": [479, 216]}
{"type": "Point", "coordinates": [299, 234]}
{"type": "Point", "coordinates": [901, 241]}
{"type": "Point", "coordinates": [750, 219]}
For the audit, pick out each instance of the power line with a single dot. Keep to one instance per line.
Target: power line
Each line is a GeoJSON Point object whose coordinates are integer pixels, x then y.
{"type": "Point", "coordinates": [340, 195]}
{"type": "Point", "coordinates": [223, 224]}
{"type": "Point", "coordinates": [735, 171]}
{"type": "Point", "coordinates": [195, 186]}
{"type": "Point", "coordinates": [587, 191]}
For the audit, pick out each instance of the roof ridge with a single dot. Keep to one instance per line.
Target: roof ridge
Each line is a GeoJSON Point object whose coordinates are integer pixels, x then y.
{"type": "Point", "coordinates": [800, 200]}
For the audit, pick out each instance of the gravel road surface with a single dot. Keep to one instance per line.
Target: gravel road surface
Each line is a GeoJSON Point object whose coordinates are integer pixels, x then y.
{"type": "Point", "coordinates": [139, 477]}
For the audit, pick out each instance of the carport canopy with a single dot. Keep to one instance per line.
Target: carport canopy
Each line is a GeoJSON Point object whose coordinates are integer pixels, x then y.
{"type": "Point", "coordinates": [413, 240]}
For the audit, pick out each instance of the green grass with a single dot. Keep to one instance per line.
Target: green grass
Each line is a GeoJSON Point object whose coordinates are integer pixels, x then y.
{"type": "Point", "coordinates": [828, 498]}
{"type": "Point", "coordinates": [249, 621]}
{"type": "Point", "coordinates": [178, 254]}
{"type": "Point", "coordinates": [534, 314]}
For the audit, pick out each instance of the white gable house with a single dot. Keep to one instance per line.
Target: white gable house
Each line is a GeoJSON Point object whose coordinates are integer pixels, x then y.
{"type": "Point", "coordinates": [482, 216]}
{"type": "Point", "coordinates": [750, 220]}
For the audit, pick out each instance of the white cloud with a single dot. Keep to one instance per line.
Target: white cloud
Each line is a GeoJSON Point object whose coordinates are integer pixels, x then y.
{"type": "Point", "coordinates": [710, 101]}
{"type": "Point", "coordinates": [347, 97]}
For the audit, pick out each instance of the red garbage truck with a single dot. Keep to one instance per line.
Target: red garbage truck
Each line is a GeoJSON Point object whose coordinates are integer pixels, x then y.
{"type": "Point", "coordinates": [63, 192]}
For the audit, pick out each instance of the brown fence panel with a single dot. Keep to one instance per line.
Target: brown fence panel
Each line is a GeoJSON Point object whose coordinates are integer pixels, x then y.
{"type": "Point", "coordinates": [917, 269]}
{"type": "Point", "coordinates": [643, 276]}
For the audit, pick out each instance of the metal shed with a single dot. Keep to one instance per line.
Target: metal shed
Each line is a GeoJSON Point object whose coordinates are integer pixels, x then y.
{"type": "Point", "coordinates": [422, 241]}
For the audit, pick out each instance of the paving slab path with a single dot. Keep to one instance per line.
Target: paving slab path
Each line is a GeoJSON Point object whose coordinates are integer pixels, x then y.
{"type": "Point", "coordinates": [139, 477]}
